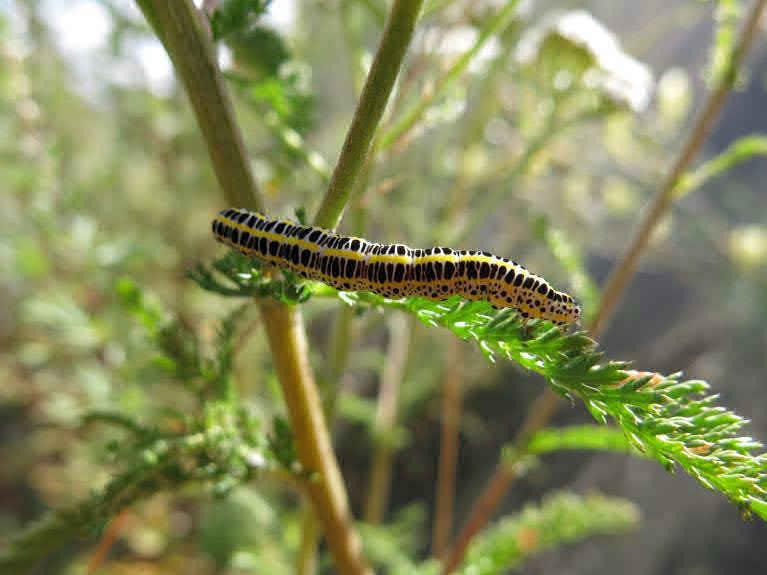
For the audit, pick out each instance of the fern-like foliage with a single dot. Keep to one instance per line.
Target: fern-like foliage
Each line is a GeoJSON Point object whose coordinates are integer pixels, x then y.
{"type": "Point", "coordinates": [235, 275]}
{"type": "Point", "coordinates": [222, 449]}
{"type": "Point", "coordinates": [220, 446]}
{"type": "Point", "coordinates": [576, 437]}
{"type": "Point", "coordinates": [560, 518]}
{"type": "Point", "coordinates": [672, 420]}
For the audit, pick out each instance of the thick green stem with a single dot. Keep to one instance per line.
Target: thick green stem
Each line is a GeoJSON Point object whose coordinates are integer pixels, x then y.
{"type": "Point", "coordinates": [378, 87]}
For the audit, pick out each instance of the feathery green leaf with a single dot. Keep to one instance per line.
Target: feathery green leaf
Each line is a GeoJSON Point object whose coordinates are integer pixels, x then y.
{"type": "Point", "coordinates": [561, 518]}
{"type": "Point", "coordinates": [668, 419]}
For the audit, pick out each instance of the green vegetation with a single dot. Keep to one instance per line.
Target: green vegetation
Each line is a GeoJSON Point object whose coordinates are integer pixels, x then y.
{"type": "Point", "coordinates": [168, 403]}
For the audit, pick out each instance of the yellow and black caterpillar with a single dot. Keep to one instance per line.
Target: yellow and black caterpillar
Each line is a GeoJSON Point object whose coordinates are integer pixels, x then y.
{"type": "Point", "coordinates": [393, 271]}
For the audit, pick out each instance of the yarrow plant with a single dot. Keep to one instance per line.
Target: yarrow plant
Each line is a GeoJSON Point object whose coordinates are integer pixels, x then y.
{"type": "Point", "coordinates": [205, 406]}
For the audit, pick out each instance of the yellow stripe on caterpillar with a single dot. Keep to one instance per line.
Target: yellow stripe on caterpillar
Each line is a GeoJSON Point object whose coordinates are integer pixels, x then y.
{"type": "Point", "coordinates": [393, 270]}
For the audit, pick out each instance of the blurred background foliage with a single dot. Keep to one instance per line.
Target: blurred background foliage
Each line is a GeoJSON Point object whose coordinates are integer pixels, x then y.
{"type": "Point", "coordinates": [544, 147]}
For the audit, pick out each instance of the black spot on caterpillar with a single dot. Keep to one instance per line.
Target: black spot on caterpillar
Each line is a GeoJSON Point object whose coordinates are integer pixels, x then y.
{"type": "Point", "coordinates": [393, 271]}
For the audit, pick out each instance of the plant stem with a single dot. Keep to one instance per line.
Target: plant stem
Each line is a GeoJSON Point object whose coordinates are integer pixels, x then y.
{"type": "Point", "coordinates": [307, 552]}
{"type": "Point", "coordinates": [378, 86]}
{"type": "Point", "coordinates": [625, 269]}
{"type": "Point", "coordinates": [388, 398]}
{"type": "Point", "coordinates": [353, 161]}
{"type": "Point", "coordinates": [487, 503]}
{"type": "Point", "coordinates": [452, 392]}
{"type": "Point", "coordinates": [287, 341]}
{"type": "Point", "coordinates": [342, 334]}
{"type": "Point", "coordinates": [110, 535]}
{"type": "Point", "coordinates": [179, 26]}
{"type": "Point", "coordinates": [484, 508]}
{"type": "Point", "coordinates": [495, 25]}
{"type": "Point", "coordinates": [548, 402]}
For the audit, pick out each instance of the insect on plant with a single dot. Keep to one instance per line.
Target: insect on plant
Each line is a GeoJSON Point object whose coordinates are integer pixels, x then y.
{"type": "Point", "coordinates": [393, 270]}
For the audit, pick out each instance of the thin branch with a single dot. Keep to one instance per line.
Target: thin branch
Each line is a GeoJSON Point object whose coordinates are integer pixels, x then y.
{"type": "Point", "coordinates": [378, 86]}
{"type": "Point", "coordinates": [452, 398]}
{"type": "Point", "coordinates": [492, 495]}
{"type": "Point", "coordinates": [342, 335]}
{"type": "Point", "coordinates": [107, 540]}
{"type": "Point", "coordinates": [388, 399]}
{"type": "Point", "coordinates": [547, 402]}
{"type": "Point", "coordinates": [452, 402]}
{"type": "Point", "coordinates": [661, 203]}
{"type": "Point", "coordinates": [307, 552]}
{"type": "Point", "coordinates": [483, 509]}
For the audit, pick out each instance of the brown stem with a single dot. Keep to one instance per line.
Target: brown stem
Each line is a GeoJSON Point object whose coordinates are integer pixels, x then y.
{"type": "Point", "coordinates": [388, 399]}
{"type": "Point", "coordinates": [626, 268]}
{"type": "Point", "coordinates": [547, 402]}
{"type": "Point", "coordinates": [448, 451]}
{"type": "Point", "coordinates": [107, 540]}
{"type": "Point", "coordinates": [287, 340]}
{"type": "Point", "coordinates": [482, 510]}
{"type": "Point", "coordinates": [452, 398]}
{"type": "Point", "coordinates": [543, 408]}
{"type": "Point", "coordinates": [307, 553]}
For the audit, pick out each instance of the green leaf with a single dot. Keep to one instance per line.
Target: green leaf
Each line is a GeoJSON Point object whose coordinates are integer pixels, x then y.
{"type": "Point", "coordinates": [235, 275]}
{"type": "Point", "coordinates": [218, 376]}
{"type": "Point", "coordinates": [282, 445]}
{"type": "Point", "coordinates": [670, 420]}
{"type": "Point", "coordinates": [561, 518]}
{"type": "Point", "coordinates": [133, 300]}
{"type": "Point", "coordinates": [222, 449]}
{"type": "Point", "coordinates": [590, 437]}
{"type": "Point", "coordinates": [652, 411]}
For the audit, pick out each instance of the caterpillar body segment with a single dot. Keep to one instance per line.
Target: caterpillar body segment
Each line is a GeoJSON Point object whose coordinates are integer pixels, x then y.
{"type": "Point", "coordinates": [393, 270]}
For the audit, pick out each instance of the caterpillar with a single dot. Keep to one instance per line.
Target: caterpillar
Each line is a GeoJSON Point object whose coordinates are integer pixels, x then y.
{"type": "Point", "coordinates": [393, 270]}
